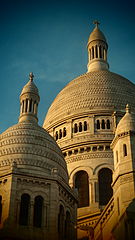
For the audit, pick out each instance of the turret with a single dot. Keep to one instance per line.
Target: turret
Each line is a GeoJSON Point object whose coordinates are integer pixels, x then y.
{"type": "Point", "coordinates": [29, 100]}
{"type": "Point", "coordinates": [97, 50]}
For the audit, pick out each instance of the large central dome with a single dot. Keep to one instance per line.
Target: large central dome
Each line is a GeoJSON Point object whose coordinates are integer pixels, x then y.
{"type": "Point", "coordinates": [91, 92]}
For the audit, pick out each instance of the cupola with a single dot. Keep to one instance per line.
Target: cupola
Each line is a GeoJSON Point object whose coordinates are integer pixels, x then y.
{"type": "Point", "coordinates": [97, 50]}
{"type": "Point", "coordinates": [29, 100]}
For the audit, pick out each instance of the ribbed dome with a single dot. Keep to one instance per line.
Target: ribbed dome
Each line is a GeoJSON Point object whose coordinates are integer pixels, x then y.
{"type": "Point", "coordinates": [127, 123]}
{"type": "Point", "coordinates": [30, 87]}
{"type": "Point", "coordinates": [96, 35]}
{"type": "Point", "coordinates": [90, 92]}
{"type": "Point", "coordinates": [31, 148]}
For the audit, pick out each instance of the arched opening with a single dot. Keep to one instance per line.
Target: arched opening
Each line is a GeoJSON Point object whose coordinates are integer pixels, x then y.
{"type": "Point", "coordinates": [124, 150]}
{"type": "Point", "coordinates": [0, 208]}
{"type": "Point", "coordinates": [98, 124]}
{"type": "Point", "coordinates": [85, 126]}
{"type": "Point", "coordinates": [75, 128]}
{"type": "Point", "coordinates": [80, 127]}
{"type": "Point", "coordinates": [30, 107]}
{"type": "Point", "coordinates": [103, 124]}
{"type": "Point", "coordinates": [96, 51]}
{"type": "Point", "coordinates": [105, 189]}
{"type": "Point", "coordinates": [24, 209]}
{"type": "Point", "coordinates": [22, 106]}
{"type": "Point", "coordinates": [67, 232]}
{"type": "Point", "coordinates": [38, 209]}
{"type": "Point", "coordinates": [82, 185]}
{"type": "Point", "coordinates": [108, 124]}
{"type": "Point", "coordinates": [64, 132]}
{"type": "Point", "coordinates": [60, 134]}
{"type": "Point", "coordinates": [56, 136]}
{"type": "Point", "coordinates": [100, 53]}
{"type": "Point", "coordinates": [117, 157]}
{"type": "Point", "coordinates": [92, 52]}
{"type": "Point", "coordinates": [26, 106]}
{"type": "Point", "coordinates": [61, 223]}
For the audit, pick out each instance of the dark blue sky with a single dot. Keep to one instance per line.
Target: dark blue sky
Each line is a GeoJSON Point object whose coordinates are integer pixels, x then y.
{"type": "Point", "coordinates": [49, 38]}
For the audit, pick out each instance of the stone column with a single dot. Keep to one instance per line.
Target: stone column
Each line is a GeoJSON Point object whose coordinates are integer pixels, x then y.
{"type": "Point", "coordinates": [28, 105]}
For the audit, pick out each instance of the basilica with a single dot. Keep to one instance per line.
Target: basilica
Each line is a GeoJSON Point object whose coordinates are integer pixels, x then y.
{"type": "Point", "coordinates": [73, 178]}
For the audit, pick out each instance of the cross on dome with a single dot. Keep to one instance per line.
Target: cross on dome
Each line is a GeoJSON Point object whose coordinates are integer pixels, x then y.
{"type": "Point", "coordinates": [31, 76]}
{"type": "Point", "coordinates": [96, 22]}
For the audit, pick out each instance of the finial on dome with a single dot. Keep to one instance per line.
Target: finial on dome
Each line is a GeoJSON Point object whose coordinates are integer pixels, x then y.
{"type": "Point", "coordinates": [31, 76]}
{"type": "Point", "coordinates": [127, 109]}
{"type": "Point", "coordinates": [96, 22]}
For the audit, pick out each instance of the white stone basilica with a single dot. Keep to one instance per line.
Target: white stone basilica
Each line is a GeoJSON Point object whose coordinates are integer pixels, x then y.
{"type": "Point", "coordinates": [92, 120]}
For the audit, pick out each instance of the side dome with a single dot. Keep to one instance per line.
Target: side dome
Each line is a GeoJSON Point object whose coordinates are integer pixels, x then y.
{"type": "Point", "coordinates": [93, 91]}
{"type": "Point", "coordinates": [127, 123]}
{"type": "Point", "coordinates": [30, 148]}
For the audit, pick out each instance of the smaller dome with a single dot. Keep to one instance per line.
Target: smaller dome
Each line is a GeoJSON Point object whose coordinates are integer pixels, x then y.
{"type": "Point", "coordinates": [30, 87]}
{"type": "Point", "coordinates": [127, 123]}
{"type": "Point", "coordinates": [96, 35]}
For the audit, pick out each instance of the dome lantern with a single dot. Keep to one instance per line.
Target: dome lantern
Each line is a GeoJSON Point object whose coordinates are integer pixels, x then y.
{"type": "Point", "coordinates": [29, 100]}
{"type": "Point", "coordinates": [97, 50]}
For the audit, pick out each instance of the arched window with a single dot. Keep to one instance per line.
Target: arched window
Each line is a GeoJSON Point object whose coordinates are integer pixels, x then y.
{"type": "Point", "coordinates": [24, 209]}
{"type": "Point", "coordinates": [108, 124]}
{"type": "Point", "coordinates": [38, 211]}
{"type": "Point", "coordinates": [96, 51]}
{"type": "Point", "coordinates": [124, 150]}
{"type": "Point", "coordinates": [85, 126]}
{"type": "Point", "coordinates": [82, 185]}
{"type": "Point", "coordinates": [103, 124]}
{"type": "Point", "coordinates": [64, 132]}
{"type": "Point", "coordinates": [98, 124]}
{"type": "Point", "coordinates": [67, 232]}
{"type": "Point", "coordinates": [60, 134]}
{"type": "Point", "coordinates": [75, 128]}
{"type": "Point", "coordinates": [61, 223]}
{"type": "Point", "coordinates": [105, 189]}
{"type": "Point", "coordinates": [0, 208]}
{"type": "Point", "coordinates": [92, 52]}
{"type": "Point", "coordinates": [56, 136]}
{"type": "Point", "coordinates": [26, 106]}
{"type": "Point", "coordinates": [100, 53]}
{"type": "Point", "coordinates": [30, 107]}
{"type": "Point", "coordinates": [80, 127]}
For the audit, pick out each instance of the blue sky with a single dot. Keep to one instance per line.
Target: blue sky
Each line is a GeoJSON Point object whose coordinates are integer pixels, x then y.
{"type": "Point", "coordinates": [49, 38]}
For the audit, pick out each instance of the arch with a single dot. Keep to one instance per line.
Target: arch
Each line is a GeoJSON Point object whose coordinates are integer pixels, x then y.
{"type": "Point", "coordinates": [75, 128]}
{"type": "Point", "coordinates": [124, 150]}
{"type": "Point", "coordinates": [60, 134]}
{"type": "Point", "coordinates": [56, 136]}
{"type": "Point", "coordinates": [24, 209]}
{"type": "Point", "coordinates": [61, 223]}
{"type": "Point", "coordinates": [30, 107]}
{"type": "Point", "coordinates": [92, 52]}
{"type": "Point", "coordinates": [0, 208]}
{"type": "Point", "coordinates": [96, 52]}
{"type": "Point", "coordinates": [103, 124]}
{"type": "Point", "coordinates": [82, 186]}
{"type": "Point", "coordinates": [98, 124]}
{"type": "Point", "coordinates": [85, 126]}
{"type": "Point", "coordinates": [108, 124]}
{"type": "Point", "coordinates": [105, 189]}
{"type": "Point", "coordinates": [67, 230]}
{"type": "Point", "coordinates": [80, 127]}
{"type": "Point", "coordinates": [100, 52]}
{"type": "Point", "coordinates": [103, 165]}
{"type": "Point", "coordinates": [38, 211]}
{"type": "Point", "coordinates": [64, 132]}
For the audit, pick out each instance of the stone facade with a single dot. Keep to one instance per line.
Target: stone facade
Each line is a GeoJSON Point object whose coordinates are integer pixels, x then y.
{"type": "Point", "coordinates": [36, 201]}
{"type": "Point", "coordinates": [83, 120]}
